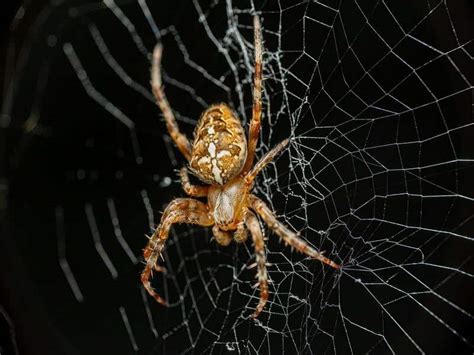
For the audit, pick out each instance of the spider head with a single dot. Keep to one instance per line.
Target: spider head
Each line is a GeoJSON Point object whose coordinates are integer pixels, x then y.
{"type": "Point", "coordinates": [220, 148]}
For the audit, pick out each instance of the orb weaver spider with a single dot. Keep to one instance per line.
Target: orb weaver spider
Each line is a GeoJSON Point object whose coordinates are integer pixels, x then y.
{"type": "Point", "coordinates": [221, 157]}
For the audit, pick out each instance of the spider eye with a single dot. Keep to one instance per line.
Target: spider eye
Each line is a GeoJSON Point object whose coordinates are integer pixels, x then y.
{"type": "Point", "coordinates": [219, 147]}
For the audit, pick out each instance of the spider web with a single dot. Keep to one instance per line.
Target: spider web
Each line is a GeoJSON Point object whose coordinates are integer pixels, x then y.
{"type": "Point", "coordinates": [377, 99]}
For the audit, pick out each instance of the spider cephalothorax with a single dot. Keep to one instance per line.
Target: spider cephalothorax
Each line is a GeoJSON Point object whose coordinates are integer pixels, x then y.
{"type": "Point", "coordinates": [221, 157]}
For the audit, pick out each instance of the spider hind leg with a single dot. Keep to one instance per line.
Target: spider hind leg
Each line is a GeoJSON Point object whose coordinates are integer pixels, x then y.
{"type": "Point", "coordinates": [255, 122]}
{"type": "Point", "coordinates": [178, 137]}
{"type": "Point", "coordinates": [265, 160]}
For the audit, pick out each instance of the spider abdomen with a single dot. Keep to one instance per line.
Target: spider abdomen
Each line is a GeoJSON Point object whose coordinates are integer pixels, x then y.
{"type": "Point", "coordinates": [220, 148]}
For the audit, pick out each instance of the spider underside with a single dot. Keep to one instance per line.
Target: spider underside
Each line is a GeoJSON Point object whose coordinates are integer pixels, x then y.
{"type": "Point", "coordinates": [221, 157]}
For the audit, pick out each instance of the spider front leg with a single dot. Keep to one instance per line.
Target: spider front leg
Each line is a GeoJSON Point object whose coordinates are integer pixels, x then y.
{"type": "Point", "coordinates": [181, 210]}
{"type": "Point", "coordinates": [179, 138]}
{"type": "Point", "coordinates": [252, 224]}
{"type": "Point", "coordinates": [192, 190]}
{"type": "Point", "coordinates": [283, 232]}
{"type": "Point", "coordinates": [254, 128]}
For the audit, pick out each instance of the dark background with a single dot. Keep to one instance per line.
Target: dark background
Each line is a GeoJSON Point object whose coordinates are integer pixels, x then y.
{"type": "Point", "coordinates": [40, 169]}
{"type": "Point", "coordinates": [12, 329]}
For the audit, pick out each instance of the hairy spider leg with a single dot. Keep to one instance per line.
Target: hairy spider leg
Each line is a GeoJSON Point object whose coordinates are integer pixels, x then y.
{"type": "Point", "coordinates": [260, 259]}
{"type": "Point", "coordinates": [181, 210]}
{"type": "Point", "coordinates": [192, 190]}
{"type": "Point", "coordinates": [179, 138]}
{"type": "Point", "coordinates": [264, 161]}
{"type": "Point", "coordinates": [254, 128]}
{"type": "Point", "coordinates": [289, 237]}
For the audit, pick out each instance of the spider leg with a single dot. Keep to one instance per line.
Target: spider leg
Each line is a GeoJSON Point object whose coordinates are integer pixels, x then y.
{"type": "Point", "coordinates": [181, 210]}
{"type": "Point", "coordinates": [192, 190]}
{"type": "Point", "coordinates": [264, 161]}
{"type": "Point", "coordinates": [222, 237]}
{"type": "Point", "coordinates": [259, 244]}
{"type": "Point", "coordinates": [179, 138]}
{"type": "Point", "coordinates": [283, 232]}
{"type": "Point", "coordinates": [257, 96]}
{"type": "Point", "coordinates": [240, 235]}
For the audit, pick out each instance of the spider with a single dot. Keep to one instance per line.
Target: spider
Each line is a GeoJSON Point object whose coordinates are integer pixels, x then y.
{"type": "Point", "coordinates": [221, 157]}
